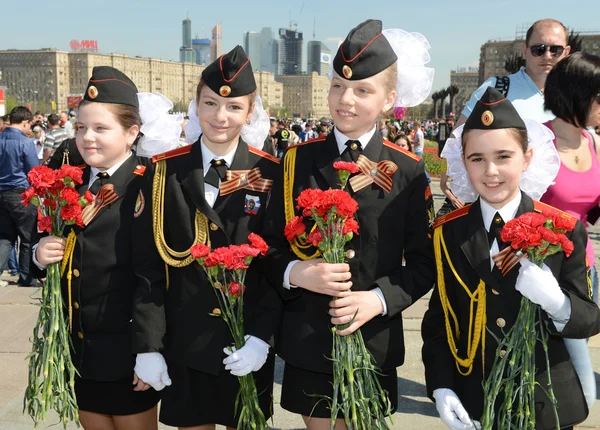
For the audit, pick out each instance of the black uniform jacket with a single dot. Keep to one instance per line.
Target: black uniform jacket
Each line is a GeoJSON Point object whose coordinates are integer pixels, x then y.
{"type": "Point", "coordinates": [392, 226]}
{"type": "Point", "coordinates": [177, 321]}
{"type": "Point", "coordinates": [103, 280]}
{"type": "Point", "coordinates": [467, 244]}
{"type": "Point", "coordinates": [67, 151]}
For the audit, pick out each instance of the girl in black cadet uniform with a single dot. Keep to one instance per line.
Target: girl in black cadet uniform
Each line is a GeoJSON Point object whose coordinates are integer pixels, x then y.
{"type": "Point", "coordinates": [203, 193]}
{"type": "Point", "coordinates": [500, 162]}
{"type": "Point", "coordinates": [109, 394]}
{"type": "Point", "coordinates": [372, 72]}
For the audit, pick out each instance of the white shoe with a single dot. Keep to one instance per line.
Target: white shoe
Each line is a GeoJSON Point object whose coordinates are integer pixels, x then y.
{"type": "Point", "coordinates": [3, 284]}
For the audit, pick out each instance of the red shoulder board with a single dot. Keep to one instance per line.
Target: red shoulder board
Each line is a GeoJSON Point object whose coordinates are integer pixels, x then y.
{"type": "Point", "coordinates": [263, 154]}
{"type": "Point", "coordinates": [139, 170]}
{"type": "Point", "coordinates": [316, 139]}
{"type": "Point", "coordinates": [539, 207]}
{"type": "Point", "coordinates": [402, 150]}
{"type": "Point", "coordinates": [172, 153]}
{"type": "Point", "coordinates": [451, 215]}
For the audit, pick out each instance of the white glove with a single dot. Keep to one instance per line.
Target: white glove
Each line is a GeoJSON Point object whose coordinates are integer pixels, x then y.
{"type": "Point", "coordinates": [249, 358]}
{"type": "Point", "coordinates": [451, 410]}
{"type": "Point", "coordinates": [151, 368]}
{"type": "Point", "coordinates": [541, 287]}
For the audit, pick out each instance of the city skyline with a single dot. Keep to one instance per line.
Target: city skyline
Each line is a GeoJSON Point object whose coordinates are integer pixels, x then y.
{"type": "Point", "coordinates": [153, 29]}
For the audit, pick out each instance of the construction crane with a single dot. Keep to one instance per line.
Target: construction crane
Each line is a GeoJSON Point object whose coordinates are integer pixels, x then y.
{"type": "Point", "coordinates": [294, 23]}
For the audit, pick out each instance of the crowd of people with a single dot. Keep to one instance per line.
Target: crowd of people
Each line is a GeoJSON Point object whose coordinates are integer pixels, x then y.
{"type": "Point", "coordinates": [144, 329]}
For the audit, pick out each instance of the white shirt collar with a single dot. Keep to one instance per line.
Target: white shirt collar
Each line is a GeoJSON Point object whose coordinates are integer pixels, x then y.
{"type": "Point", "coordinates": [341, 138]}
{"type": "Point", "coordinates": [94, 171]}
{"type": "Point", "coordinates": [507, 212]}
{"type": "Point", "coordinates": [208, 156]}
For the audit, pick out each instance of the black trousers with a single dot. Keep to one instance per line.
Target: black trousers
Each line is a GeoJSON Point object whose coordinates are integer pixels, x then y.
{"type": "Point", "coordinates": [17, 220]}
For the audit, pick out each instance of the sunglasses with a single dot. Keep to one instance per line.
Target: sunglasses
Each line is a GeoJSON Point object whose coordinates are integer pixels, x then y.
{"type": "Point", "coordinates": [539, 50]}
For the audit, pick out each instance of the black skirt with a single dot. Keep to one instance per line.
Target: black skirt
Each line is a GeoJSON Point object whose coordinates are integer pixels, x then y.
{"type": "Point", "coordinates": [196, 398]}
{"type": "Point", "coordinates": [114, 398]}
{"type": "Point", "coordinates": [302, 389]}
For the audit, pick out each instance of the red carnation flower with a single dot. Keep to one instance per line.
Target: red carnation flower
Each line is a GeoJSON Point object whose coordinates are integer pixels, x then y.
{"type": "Point", "coordinates": [67, 171]}
{"type": "Point", "coordinates": [309, 198]}
{"type": "Point", "coordinates": [224, 257]}
{"type": "Point", "coordinates": [88, 197]}
{"type": "Point", "coordinates": [210, 261]}
{"type": "Point", "coordinates": [44, 222]}
{"type": "Point", "coordinates": [532, 219]}
{"type": "Point", "coordinates": [238, 256]}
{"type": "Point", "coordinates": [561, 221]}
{"type": "Point", "coordinates": [247, 250]}
{"type": "Point", "coordinates": [566, 245]}
{"type": "Point", "coordinates": [350, 226]}
{"type": "Point", "coordinates": [70, 196]}
{"type": "Point", "coordinates": [549, 236]}
{"type": "Point", "coordinates": [258, 242]}
{"type": "Point", "coordinates": [294, 228]}
{"type": "Point", "coordinates": [199, 250]}
{"type": "Point", "coordinates": [345, 165]}
{"type": "Point", "coordinates": [41, 177]}
{"type": "Point", "coordinates": [315, 237]}
{"type": "Point", "coordinates": [235, 289]}
{"type": "Point", "coordinates": [27, 195]}
{"type": "Point", "coordinates": [70, 212]}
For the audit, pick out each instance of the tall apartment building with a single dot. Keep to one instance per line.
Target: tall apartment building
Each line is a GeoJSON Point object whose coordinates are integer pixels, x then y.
{"type": "Point", "coordinates": [305, 95]}
{"type": "Point", "coordinates": [269, 51]}
{"type": "Point", "coordinates": [215, 44]}
{"type": "Point", "coordinates": [49, 75]}
{"type": "Point", "coordinates": [290, 52]}
{"type": "Point", "coordinates": [319, 58]}
{"type": "Point", "coordinates": [467, 81]}
{"type": "Point", "coordinates": [252, 48]}
{"type": "Point", "coordinates": [186, 52]}
{"type": "Point", "coordinates": [202, 49]}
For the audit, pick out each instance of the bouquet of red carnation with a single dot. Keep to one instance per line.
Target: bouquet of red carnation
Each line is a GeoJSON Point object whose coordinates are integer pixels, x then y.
{"type": "Point", "coordinates": [357, 392]}
{"type": "Point", "coordinates": [536, 236]}
{"type": "Point", "coordinates": [51, 370]}
{"type": "Point", "coordinates": [226, 271]}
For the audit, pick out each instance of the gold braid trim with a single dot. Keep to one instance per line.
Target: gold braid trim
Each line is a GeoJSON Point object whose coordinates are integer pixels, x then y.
{"type": "Point", "coordinates": [170, 256]}
{"type": "Point", "coordinates": [68, 260]}
{"type": "Point", "coordinates": [289, 169]}
{"type": "Point", "coordinates": [478, 298]}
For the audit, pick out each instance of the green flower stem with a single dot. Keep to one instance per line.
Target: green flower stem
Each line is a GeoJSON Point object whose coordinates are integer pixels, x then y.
{"type": "Point", "coordinates": [515, 372]}
{"type": "Point", "coordinates": [51, 376]}
{"type": "Point", "coordinates": [232, 312]}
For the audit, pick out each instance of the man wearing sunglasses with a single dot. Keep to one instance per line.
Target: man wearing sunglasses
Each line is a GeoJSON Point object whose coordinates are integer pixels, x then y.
{"type": "Point", "coordinates": [545, 45]}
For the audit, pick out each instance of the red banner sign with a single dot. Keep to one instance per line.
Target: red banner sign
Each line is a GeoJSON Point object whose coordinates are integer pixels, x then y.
{"type": "Point", "coordinates": [73, 101]}
{"type": "Point", "coordinates": [84, 45]}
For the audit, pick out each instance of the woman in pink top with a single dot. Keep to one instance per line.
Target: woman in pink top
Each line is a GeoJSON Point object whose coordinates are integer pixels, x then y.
{"type": "Point", "coordinates": [572, 94]}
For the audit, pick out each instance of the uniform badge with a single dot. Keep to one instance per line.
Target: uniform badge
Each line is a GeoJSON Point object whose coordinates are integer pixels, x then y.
{"type": "Point", "coordinates": [487, 118]}
{"type": "Point", "coordinates": [225, 90]}
{"type": "Point", "coordinates": [92, 92]}
{"type": "Point", "coordinates": [252, 204]}
{"type": "Point", "coordinates": [347, 71]}
{"type": "Point", "coordinates": [139, 205]}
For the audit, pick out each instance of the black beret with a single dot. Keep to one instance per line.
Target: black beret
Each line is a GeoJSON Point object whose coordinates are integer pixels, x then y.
{"type": "Point", "coordinates": [109, 85]}
{"type": "Point", "coordinates": [231, 74]}
{"type": "Point", "coordinates": [364, 53]}
{"type": "Point", "coordinates": [493, 111]}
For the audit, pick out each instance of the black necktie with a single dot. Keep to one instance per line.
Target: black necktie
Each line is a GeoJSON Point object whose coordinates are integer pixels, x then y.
{"type": "Point", "coordinates": [352, 151]}
{"type": "Point", "coordinates": [494, 233]}
{"type": "Point", "coordinates": [216, 172]}
{"type": "Point", "coordinates": [98, 183]}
